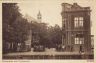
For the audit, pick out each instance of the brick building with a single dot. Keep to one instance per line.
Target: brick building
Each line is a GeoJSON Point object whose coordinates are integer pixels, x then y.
{"type": "Point", "coordinates": [76, 28]}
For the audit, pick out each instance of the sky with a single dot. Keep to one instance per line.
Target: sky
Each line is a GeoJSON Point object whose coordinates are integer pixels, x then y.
{"type": "Point", "coordinates": [51, 9]}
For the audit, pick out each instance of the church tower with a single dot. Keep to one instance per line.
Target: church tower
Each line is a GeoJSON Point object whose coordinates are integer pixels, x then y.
{"type": "Point", "coordinates": [39, 17]}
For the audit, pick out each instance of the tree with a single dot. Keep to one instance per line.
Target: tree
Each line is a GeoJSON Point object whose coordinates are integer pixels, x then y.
{"type": "Point", "coordinates": [54, 35]}
{"type": "Point", "coordinates": [43, 33]}
{"type": "Point", "coordinates": [40, 30]}
{"type": "Point", "coordinates": [57, 35]}
{"type": "Point", "coordinates": [15, 27]}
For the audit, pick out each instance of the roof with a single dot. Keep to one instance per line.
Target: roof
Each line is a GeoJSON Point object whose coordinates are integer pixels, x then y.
{"type": "Point", "coordinates": [74, 7]}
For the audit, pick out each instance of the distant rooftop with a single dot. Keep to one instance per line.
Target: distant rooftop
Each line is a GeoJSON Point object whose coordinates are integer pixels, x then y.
{"type": "Point", "coordinates": [30, 19]}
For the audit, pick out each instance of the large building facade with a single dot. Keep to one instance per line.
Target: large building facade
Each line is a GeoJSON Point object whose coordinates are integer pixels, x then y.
{"type": "Point", "coordinates": [76, 28]}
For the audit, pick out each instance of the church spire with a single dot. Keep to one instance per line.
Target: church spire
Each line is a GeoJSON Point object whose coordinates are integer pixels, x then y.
{"type": "Point", "coordinates": [39, 17]}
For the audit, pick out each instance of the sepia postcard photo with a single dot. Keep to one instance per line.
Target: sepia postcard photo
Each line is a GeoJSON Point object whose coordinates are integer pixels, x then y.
{"type": "Point", "coordinates": [48, 30]}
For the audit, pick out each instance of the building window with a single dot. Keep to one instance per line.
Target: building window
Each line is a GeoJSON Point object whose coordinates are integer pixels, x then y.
{"type": "Point", "coordinates": [78, 22]}
{"type": "Point", "coordinates": [81, 21]}
{"type": "Point", "coordinates": [79, 40]}
{"type": "Point", "coordinates": [76, 40]}
{"type": "Point", "coordinates": [64, 22]}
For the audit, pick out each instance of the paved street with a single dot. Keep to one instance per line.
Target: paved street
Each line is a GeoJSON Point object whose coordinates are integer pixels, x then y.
{"type": "Point", "coordinates": [40, 53]}
{"type": "Point", "coordinates": [46, 55]}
